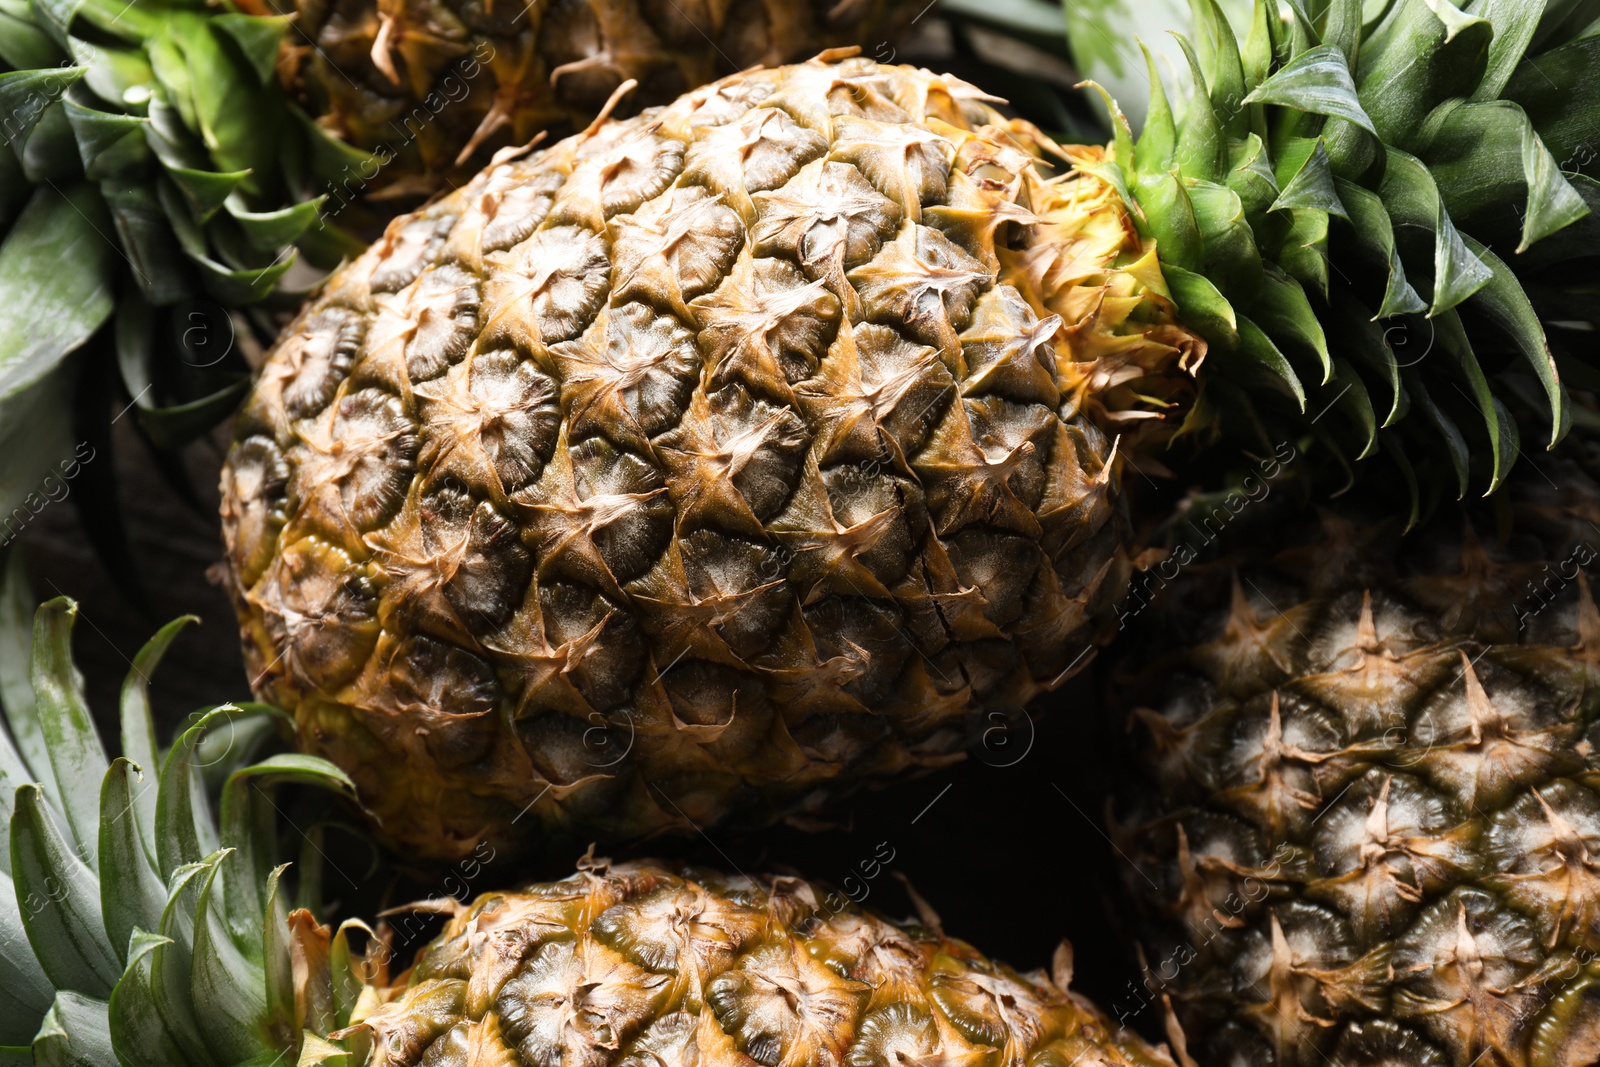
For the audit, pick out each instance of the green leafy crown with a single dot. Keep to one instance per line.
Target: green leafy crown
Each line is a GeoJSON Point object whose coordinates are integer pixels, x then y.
{"type": "Point", "coordinates": [1379, 220]}
{"type": "Point", "coordinates": [151, 162]}
{"type": "Point", "coordinates": [135, 928]}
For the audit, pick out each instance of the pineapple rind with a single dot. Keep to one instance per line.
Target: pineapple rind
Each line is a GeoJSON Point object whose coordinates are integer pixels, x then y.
{"type": "Point", "coordinates": [706, 465]}
{"type": "Point", "coordinates": [430, 85]}
{"type": "Point", "coordinates": [137, 928]}
{"type": "Point", "coordinates": [1370, 805]}
{"type": "Point", "coordinates": [634, 964]}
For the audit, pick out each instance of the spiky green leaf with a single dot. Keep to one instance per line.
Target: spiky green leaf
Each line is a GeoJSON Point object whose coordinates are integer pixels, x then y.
{"type": "Point", "coordinates": [77, 759]}
{"type": "Point", "coordinates": [138, 1030]}
{"type": "Point", "coordinates": [1411, 64]}
{"type": "Point", "coordinates": [1231, 256]}
{"type": "Point", "coordinates": [185, 833]}
{"type": "Point", "coordinates": [1505, 304]}
{"type": "Point", "coordinates": [1282, 309]}
{"type": "Point", "coordinates": [1560, 92]}
{"type": "Point", "coordinates": [1318, 82]}
{"type": "Point", "coordinates": [1412, 199]}
{"type": "Point", "coordinates": [23, 45]}
{"type": "Point", "coordinates": [1256, 345]}
{"type": "Point", "coordinates": [178, 424]}
{"type": "Point", "coordinates": [233, 989]}
{"type": "Point", "coordinates": [25, 989]}
{"type": "Point", "coordinates": [60, 900]}
{"type": "Point", "coordinates": [1311, 187]}
{"type": "Point", "coordinates": [112, 146]}
{"type": "Point", "coordinates": [247, 826]}
{"type": "Point", "coordinates": [25, 96]}
{"type": "Point", "coordinates": [1303, 253]}
{"type": "Point", "coordinates": [1250, 176]}
{"type": "Point", "coordinates": [1365, 343]}
{"type": "Point", "coordinates": [1157, 150]}
{"type": "Point", "coordinates": [138, 727]}
{"type": "Point", "coordinates": [1202, 144]}
{"type": "Point", "coordinates": [147, 241]}
{"type": "Point", "coordinates": [131, 892]}
{"type": "Point", "coordinates": [1515, 22]}
{"type": "Point", "coordinates": [1450, 337]}
{"type": "Point", "coordinates": [75, 1033]}
{"type": "Point", "coordinates": [1202, 306]}
{"type": "Point", "coordinates": [48, 312]}
{"type": "Point", "coordinates": [171, 965]}
{"type": "Point", "coordinates": [116, 75]}
{"type": "Point", "coordinates": [345, 965]}
{"type": "Point", "coordinates": [269, 231]}
{"type": "Point", "coordinates": [1350, 395]}
{"type": "Point", "coordinates": [1372, 231]}
{"type": "Point", "coordinates": [1169, 214]}
{"type": "Point", "coordinates": [278, 965]}
{"type": "Point", "coordinates": [32, 763]}
{"type": "Point", "coordinates": [258, 39]}
{"type": "Point", "coordinates": [1223, 66]}
{"type": "Point", "coordinates": [1486, 157]}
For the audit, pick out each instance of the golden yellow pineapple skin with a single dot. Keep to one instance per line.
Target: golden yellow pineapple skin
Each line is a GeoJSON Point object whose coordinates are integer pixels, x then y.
{"type": "Point", "coordinates": [424, 83]}
{"type": "Point", "coordinates": [703, 467]}
{"type": "Point", "coordinates": [639, 966]}
{"type": "Point", "coordinates": [1369, 830]}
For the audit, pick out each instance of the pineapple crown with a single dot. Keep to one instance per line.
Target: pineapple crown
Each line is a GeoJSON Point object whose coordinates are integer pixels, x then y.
{"type": "Point", "coordinates": [134, 927]}
{"type": "Point", "coordinates": [1339, 188]}
{"type": "Point", "coordinates": [152, 166]}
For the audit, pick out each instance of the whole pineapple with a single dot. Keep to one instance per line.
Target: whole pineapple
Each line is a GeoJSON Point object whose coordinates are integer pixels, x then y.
{"type": "Point", "coordinates": [1369, 821]}
{"type": "Point", "coordinates": [704, 465]}
{"type": "Point", "coordinates": [714, 462]}
{"type": "Point", "coordinates": [426, 84]}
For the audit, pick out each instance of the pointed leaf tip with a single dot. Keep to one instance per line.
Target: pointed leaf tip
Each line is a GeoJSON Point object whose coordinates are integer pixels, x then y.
{"type": "Point", "coordinates": [1317, 81]}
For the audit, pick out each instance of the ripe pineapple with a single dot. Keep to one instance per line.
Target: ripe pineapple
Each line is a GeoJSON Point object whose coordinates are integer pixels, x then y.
{"type": "Point", "coordinates": [714, 462]}
{"type": "Point", "coordinates": [136, 929]}
{"type": "Point", "coordinates": [702, 465]}
{"type": "Point", "coordinates": [635, 964]}
{"type": "Point", "coordinates": [427, 84]}
{"type": "Point", "coordinates": [1368, 823]}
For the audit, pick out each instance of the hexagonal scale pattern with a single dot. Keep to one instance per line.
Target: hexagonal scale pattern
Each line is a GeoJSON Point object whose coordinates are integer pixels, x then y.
{"type": "Point", "coordinates": [709, 464]}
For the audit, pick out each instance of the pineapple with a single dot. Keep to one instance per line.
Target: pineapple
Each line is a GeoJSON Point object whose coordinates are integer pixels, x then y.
{"type": "Point", "coordinates": [712, 463]}
{"type": "Point", "coordinates": [1367, 822]}
{"type": "Point", "coordinates": [426, 85]}
{"type": "Point", "coordinates": [134, 929]}
{"type": "Point", "coordinates": [599, 494]}
{"type": "Point", "coordinates": [636, 964]}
